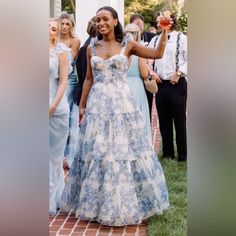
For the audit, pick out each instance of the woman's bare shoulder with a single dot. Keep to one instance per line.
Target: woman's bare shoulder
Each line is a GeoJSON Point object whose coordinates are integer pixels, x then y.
{"type": "Point", "coordinates": [76, 41]}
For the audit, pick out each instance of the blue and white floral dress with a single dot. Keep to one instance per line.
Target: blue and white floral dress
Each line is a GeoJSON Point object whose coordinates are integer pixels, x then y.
{"type": "Point", "coordinates": [115, 178]}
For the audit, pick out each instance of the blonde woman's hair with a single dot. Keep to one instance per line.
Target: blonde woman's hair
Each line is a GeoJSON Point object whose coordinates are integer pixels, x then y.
{"type": "Point", "coordinates": [133, 30]}
{"type": "Point", "coordinates": [70, 18]}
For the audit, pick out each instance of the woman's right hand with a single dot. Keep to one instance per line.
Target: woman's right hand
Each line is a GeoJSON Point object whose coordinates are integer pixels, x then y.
{"type": "Point", "coordinates": [81, 115]}
{"type": "Point", "coordinates": [156, 77]}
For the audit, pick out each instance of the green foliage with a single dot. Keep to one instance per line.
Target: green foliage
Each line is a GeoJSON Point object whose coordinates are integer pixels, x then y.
{"type": "Point", "coordinates": [174, 220]}
{"type": "Point", "coordinates": [67, 6]}
{"type": "Point", "coordinates": [149, 9]}
{"type": "Point", "coordinates": [128, 2]}
{"type": "Point", "coordinates": [182, 22]}
{"type": "Point", "coordinates": [149, 15]}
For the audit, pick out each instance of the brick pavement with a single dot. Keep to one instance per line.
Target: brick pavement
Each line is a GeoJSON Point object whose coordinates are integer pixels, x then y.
{"type": "Point", "coordinates": [156, 136]}
{"type": "Point", "coordinates": [67, 224]}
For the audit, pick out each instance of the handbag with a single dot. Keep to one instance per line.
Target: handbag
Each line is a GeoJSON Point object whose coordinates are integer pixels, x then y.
{"type": "Point", "coordinates": [150, 84]}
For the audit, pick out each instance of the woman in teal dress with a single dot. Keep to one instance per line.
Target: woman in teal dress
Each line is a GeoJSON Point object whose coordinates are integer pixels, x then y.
{"type": "Point", "coordinates": [137, 72]}
{"type": "Point", "coordinates": [67, 36]}
{"type": "Point", "coordinates": [115, 178]}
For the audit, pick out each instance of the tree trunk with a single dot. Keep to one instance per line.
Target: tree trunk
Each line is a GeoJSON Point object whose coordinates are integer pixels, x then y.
{"type": "Point", "coordinates": [72, 3]}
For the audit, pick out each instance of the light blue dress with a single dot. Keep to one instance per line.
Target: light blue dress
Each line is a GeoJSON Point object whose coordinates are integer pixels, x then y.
{"type": "Point", "coordinates": [58, 132]}
{"type": "Point", "coordinates": [74, 112]}
{"type": "Point", "coordinates": [136, 85]}
{"type": "Point", "coordinates": [115, 178]}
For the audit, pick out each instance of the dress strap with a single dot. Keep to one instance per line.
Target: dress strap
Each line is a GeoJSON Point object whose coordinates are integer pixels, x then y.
{"type": "Point", "coordinates": [60, 48]}
{"type": "Point", "coordinates": [123, 50]}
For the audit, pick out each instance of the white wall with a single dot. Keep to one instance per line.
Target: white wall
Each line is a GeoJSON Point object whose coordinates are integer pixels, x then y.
{"type": "Point", "coordinates": [86, 9]}
{"type": "Point", "coordinates": [51, 6]}
{"type": "Point", "coordinates": [55, 8]}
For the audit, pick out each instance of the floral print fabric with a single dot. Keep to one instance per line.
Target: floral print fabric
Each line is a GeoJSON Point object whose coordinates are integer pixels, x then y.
{"type": "Point", "coordinates": [115, 178]}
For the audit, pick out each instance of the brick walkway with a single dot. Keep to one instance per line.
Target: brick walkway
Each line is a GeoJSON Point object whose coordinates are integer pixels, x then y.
{"type": "Point", "coordinates": [156, 136]}
{"type": "Point", "coordinates": [67, 224]}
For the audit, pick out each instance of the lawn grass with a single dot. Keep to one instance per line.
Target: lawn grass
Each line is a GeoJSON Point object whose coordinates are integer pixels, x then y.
{"type": "Point", "coordinates": [174, 220]}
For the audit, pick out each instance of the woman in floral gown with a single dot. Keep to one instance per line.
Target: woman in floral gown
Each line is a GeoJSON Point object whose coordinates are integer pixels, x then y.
{"type": "Point", "coordinates": [115, 178]}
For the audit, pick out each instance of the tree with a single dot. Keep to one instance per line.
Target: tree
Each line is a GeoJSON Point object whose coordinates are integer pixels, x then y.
{"type": "Point", "coordinates": [149, 9]}
{"type": "Point", "coordinates": [68, 6]}
{"type": "Point", "coordinates": [182, 22]}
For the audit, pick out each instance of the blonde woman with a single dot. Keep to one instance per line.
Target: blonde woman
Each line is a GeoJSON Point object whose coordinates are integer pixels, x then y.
{"type": "Point", "coordinates": [67, 36]}
{"type": "Point", "coordinates": [137, 72]}
{"type": "Point", "coordinates": [58, 115]}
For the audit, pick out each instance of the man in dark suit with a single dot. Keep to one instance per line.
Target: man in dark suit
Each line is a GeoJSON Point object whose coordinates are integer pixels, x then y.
{"type": "Point", "coordinates": [145, 39]}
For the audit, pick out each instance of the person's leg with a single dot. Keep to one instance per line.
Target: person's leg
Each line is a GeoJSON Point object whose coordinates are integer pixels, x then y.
{"type": "Point", "coordinates": [165, 120]}
{"type": "Point", "coordinates": [179, 114]}
{"type": "Point", "coordinates": [58, 133]}
{"type": "Point", "coordinates": [150, 99]}
{"type": "Point", "coordinates": [73, 127]}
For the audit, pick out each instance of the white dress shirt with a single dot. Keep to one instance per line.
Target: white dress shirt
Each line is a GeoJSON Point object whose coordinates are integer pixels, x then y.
{"type": "Point", "coordinates": [166, 66]}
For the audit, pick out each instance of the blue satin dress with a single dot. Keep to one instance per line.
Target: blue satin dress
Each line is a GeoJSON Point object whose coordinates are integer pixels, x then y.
{"type": "Point", "coordinates": [58, 132]}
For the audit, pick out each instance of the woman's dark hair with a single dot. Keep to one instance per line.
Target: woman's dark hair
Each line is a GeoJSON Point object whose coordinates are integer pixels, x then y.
{"type": "Point", "coordinates": [118, 30]}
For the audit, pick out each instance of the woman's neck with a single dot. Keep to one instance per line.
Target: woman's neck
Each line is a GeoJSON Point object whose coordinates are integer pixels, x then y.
{"type": "Point", "coordinates": [64, 37]}
{"type": "Point", "coordinates": [109, 37]}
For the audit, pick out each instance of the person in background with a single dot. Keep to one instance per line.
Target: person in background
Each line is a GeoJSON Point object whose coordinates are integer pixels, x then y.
{"type": "Point", "coordinates": [137, 72]}
{"type": "Point", "coordinates": [115, 178]}
{"type": "Point", "coordinates": [152, 29]}
{"type": "Point", "coordinates": [58, 114]}
{"type": "Point", "coordinates": [146, 37]}
{"type": "Point", "coordinates": [81, 63]}
{"type": "Point", "coordinates": [170, 72]}
{"type": "Point", "coordinates": [138, 19]}
{"type": "Point", "coordinates": [67, 36]}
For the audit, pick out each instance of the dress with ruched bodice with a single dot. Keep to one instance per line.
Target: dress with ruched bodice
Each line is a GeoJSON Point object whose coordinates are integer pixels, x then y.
{"type": "Point", "coordinates": [115, 178]}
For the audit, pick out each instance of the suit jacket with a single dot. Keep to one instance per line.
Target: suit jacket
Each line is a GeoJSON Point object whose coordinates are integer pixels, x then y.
{"type": "Point", "coordinates": [147, 36]}
{"type": "Point", "coordinates": [81, 67]}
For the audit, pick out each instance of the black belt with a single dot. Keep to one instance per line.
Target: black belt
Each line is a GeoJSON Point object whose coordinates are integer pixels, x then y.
{"type": "Point", "coordinates": [168, 81]}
